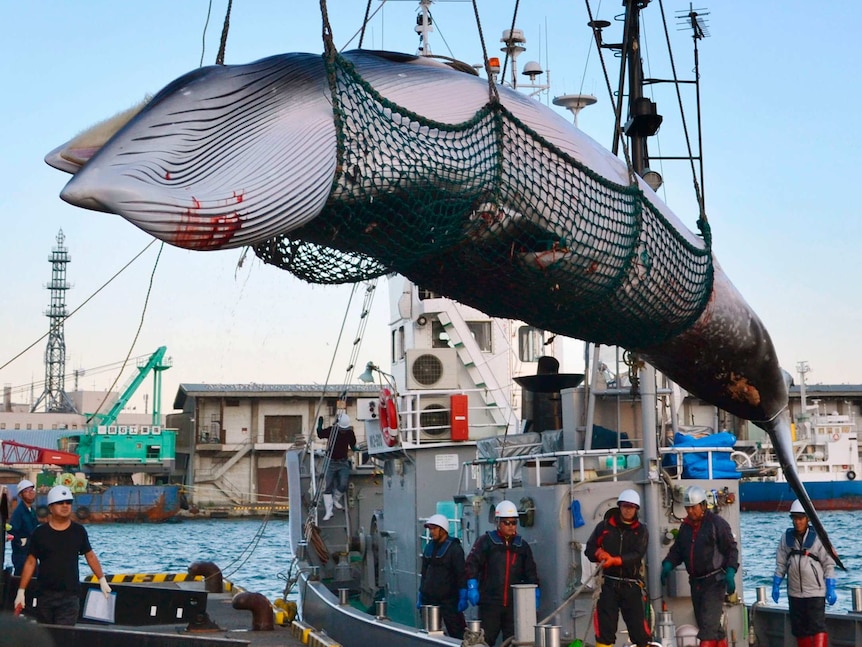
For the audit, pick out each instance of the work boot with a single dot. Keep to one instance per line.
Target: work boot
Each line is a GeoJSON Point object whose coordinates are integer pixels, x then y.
{"type": "Point", "coordinates": [336, 499]}
{"type": "Point", "coordinates": [709, 643]}
{"type": "Point", "coordinates": [327, 504]}
{"type": "Point", "coordinates": [805, 641]}
{"type": "Point", "coordinates": [819, 640]}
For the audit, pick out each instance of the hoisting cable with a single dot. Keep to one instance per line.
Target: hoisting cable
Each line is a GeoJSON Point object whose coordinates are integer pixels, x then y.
{"type": "Point", "coordinates": [702, 222]}
{"type": "Point", "coordinates": [493, 94]}
{"type": "Point", "coordinates": [618, 132]}
{"type": "Point", "coordinates": [225, 28]}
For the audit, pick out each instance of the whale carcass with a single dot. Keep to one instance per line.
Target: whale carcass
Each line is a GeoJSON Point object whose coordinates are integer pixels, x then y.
{"type": "Point", "coordinates": [378, 162]}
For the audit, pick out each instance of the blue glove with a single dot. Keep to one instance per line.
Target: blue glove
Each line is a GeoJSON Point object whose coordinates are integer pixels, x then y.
{"type": "Point", "coordinates": [776, 587]}
{"type": "Point", "coordinates": [730, 579]}
{"type": "Point", "coordinates": [538, 597]}
{"type": "Point", "coordinates": [320, 423]}
{"type": "Point", "coordinates": [462, 600]}
{"type": "Point", "coordinates": [831, 595]}
{"type": "Point", "coordinates": [419, 600]}
{"type": "Point", "coordinates": [666, 568]}
{"type": "Point", "coordinates": [473, 592]}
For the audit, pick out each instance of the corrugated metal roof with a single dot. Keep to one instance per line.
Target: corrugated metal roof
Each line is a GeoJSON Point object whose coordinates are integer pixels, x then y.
{"type": "Point", "coordinates": [268, 390]}
{"type": "Point", "coordinates": [45, 438]}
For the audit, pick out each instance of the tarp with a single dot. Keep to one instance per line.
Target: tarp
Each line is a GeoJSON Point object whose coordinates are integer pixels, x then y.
{"type": "Point", "coordinates": [695, 465]}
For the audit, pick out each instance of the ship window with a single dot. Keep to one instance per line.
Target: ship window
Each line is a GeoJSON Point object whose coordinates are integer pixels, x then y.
{"type": "Point", "coordinates": [439, 336]}
{"type": "Point", "coordinates": [427, 294]}
{"type": "Point", "coordinates": [530, 344]}
{"type": "Point", "coordinates": [153, 451]}
{"type": "Point", "coordinates": [29, 425]}
{"type": "Point", "coordinates": [17, 425]}
{"type": "Point", "coordinates": [281, 429]}
{"type": "Point", "coordinates": [39, 426]}
{"type": "Point", "coordinates": [2, 425]}
{"type": "Point", "coordinates": [231, 402]}
{"type": "Point", "coordinates": [481, 331]}
{"type": "Point", "coordinates": [398, 344]}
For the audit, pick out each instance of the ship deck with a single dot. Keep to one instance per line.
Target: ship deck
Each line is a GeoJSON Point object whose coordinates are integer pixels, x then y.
{"type": "Point", "coordinates": [222, 626]}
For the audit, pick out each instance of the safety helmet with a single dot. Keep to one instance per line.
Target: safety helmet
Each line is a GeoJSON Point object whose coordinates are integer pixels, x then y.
{"type": "Point", "coordinates": [693, 495]}
{"type": "Point", "coordinates": [343, 420]}
{"type": "Point", "coordinates": [505, 509]}
{"type": "Point", "coordinates": [58, 494]}
{"type": "Point", "coordinates": [24, 484]}
{"type": "Point", "coordinates": [438, 520]}
{"type": "Point", "coordinates": [629, 496]}
{"type": "Point", "coordinates": [796, 508]}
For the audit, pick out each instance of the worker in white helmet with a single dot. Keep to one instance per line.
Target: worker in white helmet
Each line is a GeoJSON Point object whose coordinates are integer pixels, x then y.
{"type": "Point", "coordinates": [444, 583]}
{"type": "Point", "coordinates": [810, 571]}
{"type": "Point", "coordinates": [22, 524]}
{"type": "Point", "coordinates": [55, 546]}
{"type": "Point", "coordinates": [340, 439]}
{"type": "Point", "coordinates": [498, 559]}
{"type": "Point", "coordinates": [619, 542]}
{"type": "Point", "coordinates": [705, 544]}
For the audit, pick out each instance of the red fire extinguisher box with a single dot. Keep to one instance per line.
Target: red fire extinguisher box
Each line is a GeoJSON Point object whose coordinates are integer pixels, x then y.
{"type": "Point", "coordinates": [459, 417]}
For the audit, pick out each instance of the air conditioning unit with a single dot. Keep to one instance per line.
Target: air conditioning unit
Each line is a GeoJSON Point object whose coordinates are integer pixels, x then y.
{"type": "Point", "coordinates": [432, 368]}
{"type": "Point", "coordinates": [435, 419]}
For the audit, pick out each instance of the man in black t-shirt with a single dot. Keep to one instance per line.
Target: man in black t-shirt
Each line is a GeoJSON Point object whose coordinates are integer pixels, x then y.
{"type": "Point", "coordinates": [55, 545]}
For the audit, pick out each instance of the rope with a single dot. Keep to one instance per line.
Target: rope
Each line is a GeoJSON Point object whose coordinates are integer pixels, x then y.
{"type": "Point", "coordinates": [365, 23]}
{"type": "Point", "coordinates": [224, 31]}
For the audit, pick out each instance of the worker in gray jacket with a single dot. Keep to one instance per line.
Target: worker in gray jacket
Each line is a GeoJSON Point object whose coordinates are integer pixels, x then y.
{"type": "Point", "coordinates": [810, 571]}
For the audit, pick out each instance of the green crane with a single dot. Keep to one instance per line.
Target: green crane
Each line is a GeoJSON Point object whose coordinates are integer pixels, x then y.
{"type": "Point", "coordinates": [156, 364]}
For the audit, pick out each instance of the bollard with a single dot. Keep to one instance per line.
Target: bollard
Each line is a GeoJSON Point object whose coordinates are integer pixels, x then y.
{"type": "Point", "coordinates": [857, 599]}
{"type": "Point", "coordinates": [524, 596]}
{"type": "Point", "coordinates": [540, 636]}
{"type": "Point", "coordinates": [761, 594]}
{"type": "Point", "coordinates": [552, 635]}
{"type": "Point", "coordinates": [343, 596]}
{"type": "Point", "coordinates": [380, 608]}
{"type": "Point", "coordinates": [430, 618]}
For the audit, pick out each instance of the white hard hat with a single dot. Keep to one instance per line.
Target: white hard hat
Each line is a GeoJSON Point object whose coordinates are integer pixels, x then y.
{"type": "Point", "coordinates": [629, 496]}
{"type": "Point", "coordinates": [24, 484]}
{"type": "Point", "coordinates": [694, 494]}
{"type": "Point", "coordinates": [796, 508]}
{"type": "Point", "coordinates": [343, 420]}
{"type": "Point", "coordinates": [505, 509]}
{"type": "Point", "coordinates": [438, 520]}
{"type": "Point", "coordinates": [59, 493]}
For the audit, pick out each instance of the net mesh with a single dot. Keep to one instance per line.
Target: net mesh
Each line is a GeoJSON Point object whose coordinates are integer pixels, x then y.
{"type": "Point", "coordinates": [489, 213]}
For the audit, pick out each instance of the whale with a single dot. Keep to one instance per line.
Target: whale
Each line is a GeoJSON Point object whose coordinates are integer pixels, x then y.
{"type": "Point", "coordinates": [259, 155]}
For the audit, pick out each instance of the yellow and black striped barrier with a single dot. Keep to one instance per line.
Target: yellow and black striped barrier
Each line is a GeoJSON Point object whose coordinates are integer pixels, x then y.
{"type": "Point", "coordinates": [141, 578]}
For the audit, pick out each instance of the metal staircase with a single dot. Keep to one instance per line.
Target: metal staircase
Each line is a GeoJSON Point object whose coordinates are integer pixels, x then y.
{"type": "Point", "coordinates": [499, 407]}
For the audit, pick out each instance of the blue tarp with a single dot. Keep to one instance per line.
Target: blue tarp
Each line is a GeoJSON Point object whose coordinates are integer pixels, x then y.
{"type": "Point", "coordinates": [695, 465]}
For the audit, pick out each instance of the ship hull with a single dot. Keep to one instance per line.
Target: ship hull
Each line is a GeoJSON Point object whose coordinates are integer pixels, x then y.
{"type": "Point", "coordinates": [125, 504]}
{"type": "Point", "coordinates": [774, 496]}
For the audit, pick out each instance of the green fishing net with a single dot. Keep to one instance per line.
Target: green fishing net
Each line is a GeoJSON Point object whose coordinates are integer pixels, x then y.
{"type": "Point", "coordinates": [488, 213]}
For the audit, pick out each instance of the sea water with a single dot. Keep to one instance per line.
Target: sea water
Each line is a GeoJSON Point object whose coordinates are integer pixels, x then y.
{"type": "Point", "coordinates": [251, 553]}
{"type": "Point", "coordinates": [759, 537]}
{"type": "Point", "coordinates": [255, 555]}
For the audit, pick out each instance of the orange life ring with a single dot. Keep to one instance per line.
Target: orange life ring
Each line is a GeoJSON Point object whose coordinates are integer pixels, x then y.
{"type": "Point", "coordinates": [388, 417]}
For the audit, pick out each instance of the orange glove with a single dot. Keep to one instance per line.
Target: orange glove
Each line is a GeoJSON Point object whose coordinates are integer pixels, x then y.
{"type": "Point", "coordinates": [612, 561]}
{"type": "Point", "coordinates": [601, 554]}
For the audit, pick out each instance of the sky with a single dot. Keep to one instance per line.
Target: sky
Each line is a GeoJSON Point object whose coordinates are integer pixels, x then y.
{"type": "Point", "coordinates": [780, 96]}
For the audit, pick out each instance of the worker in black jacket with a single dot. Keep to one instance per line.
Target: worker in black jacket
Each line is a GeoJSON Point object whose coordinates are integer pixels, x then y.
{"type": "Point", "coordinates": [705, 544]}
{"type": "Point", "coordinates": [444, 583]}
{"type": "Point", "coordinates": [498, 559]}
{"type": "Point", "coordinates": [619, 543]}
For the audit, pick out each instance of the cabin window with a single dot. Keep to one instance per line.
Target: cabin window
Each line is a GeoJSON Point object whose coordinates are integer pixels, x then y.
{"type": "Point", "coordinates": [531, 343]}
{"type": "Point", "coordinates": [481, 331]}
{"type": "Point", "coordinates": [2, 425]}
{"type": "Point", "coordinates": [17, 425]}
{"type": "Point", "coordinates": [281, 429]}
{"type": "Point", "coordinates": [439, 336]}
{"type": "Point", "coordinates": [426, 294]}
{"type": "Point", "coordinates": [29, 425]}
{"type": "Point", "coordinates": [153, 452]}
